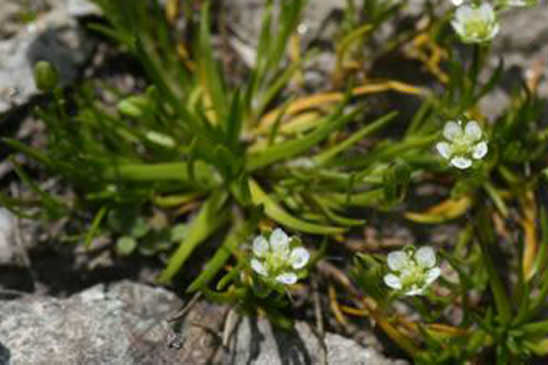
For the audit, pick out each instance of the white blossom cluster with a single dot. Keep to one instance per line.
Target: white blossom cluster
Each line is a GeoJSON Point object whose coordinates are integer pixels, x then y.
{"type": "Point", "coordinates": [412, 271]}
{"type": "Point", "coordinates": [462, 144]}
{"type": "Point", "coordinates": [280, 259]}
{"type": "Point", "coordinates": [477, 21]}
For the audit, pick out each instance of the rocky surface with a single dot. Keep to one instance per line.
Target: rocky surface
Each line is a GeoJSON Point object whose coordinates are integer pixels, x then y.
{"type": "Point", "coordinates": [101, 325]}
{"type": "Point", "coordinates": [39, 30]}
{"type": "Point", "coordinates": [523, 45]}
{"type": "Point", "coordinates": [125, 323]}
{"type": "Point", "coordinates": [8, 245]}
{"type": "Point", "coordinates": [256, 342]}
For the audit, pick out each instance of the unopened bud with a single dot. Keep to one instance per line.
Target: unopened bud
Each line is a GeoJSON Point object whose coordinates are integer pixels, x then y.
{"type": "Point", "coordinates": [45, 76]}
{"type": "Point", "coordinates": [134, 106]}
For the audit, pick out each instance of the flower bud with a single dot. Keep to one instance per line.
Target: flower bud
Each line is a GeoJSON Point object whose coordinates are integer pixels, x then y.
{"type": "Point", "coordinates": [133, 106]}
{"type": "Point", "coordinates": [45, 76]}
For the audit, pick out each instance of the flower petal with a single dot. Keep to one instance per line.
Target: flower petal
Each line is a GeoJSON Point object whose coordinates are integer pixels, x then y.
{"type": "Point", "coordinates": [480, 150]}
{"type": "Point", "coordinates": [426, 257]}
{"type": "Point", "coordinates": [487, 12]}
{"type": "Point", "coordinates": [288, 278]}
{"type": "Point", "coordinates": [452, 130]}
{"type": "Point", "coordinates": [397, 260]}
{"type": "Point", "coordinates": [258, 267]}
{"type": "Point", "coordinates": [459, 27]}
{"type": "Point", "coordinates": [472, 131]}
{"type": "Point", "coordinates": [494, 31]}
{"type": "Point", "coordinates": [299, 258]}
{"type": "Point", "coordinates": [415, 290]}
{"type": "Point", "coordinates": [279, 241]}
{"type": "Point", "coordinates": [392, 281]}
{"type": "Point", "coordinates": [260, 246]}
{"type": "Point", "coordinates": [432, 275]}
{"type": "Point", "coordinates": [461, 162]}
{"type": "Point", "coordinates": [444, 149]}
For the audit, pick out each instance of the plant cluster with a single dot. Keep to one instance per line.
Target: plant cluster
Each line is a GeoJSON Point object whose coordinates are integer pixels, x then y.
{"type": "Point", "coordinates": [242, 156]}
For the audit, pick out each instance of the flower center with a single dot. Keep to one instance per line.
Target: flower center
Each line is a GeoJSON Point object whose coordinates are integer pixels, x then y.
{"type": "Point", "coordinates": [461, 146]}
{"type": "Point", "coordinates": [477, 27]}
{"type": "Point", "coordinates": [414, 274]}
{"type": "Point", "coordinates": [276, 261]}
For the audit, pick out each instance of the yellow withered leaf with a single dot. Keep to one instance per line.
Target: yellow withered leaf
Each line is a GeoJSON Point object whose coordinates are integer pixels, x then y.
{"type": "Point", "coordinates": [323, 99]}
{"type": "Point", "coordinates": [444, 211]}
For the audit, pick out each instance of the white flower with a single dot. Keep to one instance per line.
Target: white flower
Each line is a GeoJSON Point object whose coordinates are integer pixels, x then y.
{"type": "Point", "coordinates": [412, 271]}
{"type": "Point", "coordinates": [457, 2]}
{"type": "Point", "coordinates": [475, 24]}
{"type": "Point", "coordinates": [276, 260]}
{"type": "Point", "coordinates": [462, 146]}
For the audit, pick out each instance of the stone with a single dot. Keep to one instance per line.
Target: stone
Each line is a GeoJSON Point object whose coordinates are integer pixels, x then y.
{"type": "Point", "coordinates": [82, 8]}
{"type": "Point", "coordinates": [523, 44]}
{"type": "Point", "coordinates": [256, 342]}
{"type": "Point", "coordinates": [126, 323]}
{"type": "Point", "coordinates": [115, 324]}
{"type": "Point", "coordinates": [53, 36]}
{"type": "Point", "coordinates": [8, 244]}
{"type": "Point", "coordinates": [245, 17]}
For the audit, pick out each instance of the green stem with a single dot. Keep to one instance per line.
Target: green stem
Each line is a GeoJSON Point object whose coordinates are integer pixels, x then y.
{"type": "Point", "coordinates": [486, 238]}
{"type": "Point", "coordinates": [495, 196]}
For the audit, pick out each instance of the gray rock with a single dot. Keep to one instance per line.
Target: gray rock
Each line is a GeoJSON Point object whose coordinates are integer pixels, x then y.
{"type": "Point", "coordinates": [521, 43]}
{"type": "Point", "coordinates": [245, 17]}
{"type": "Point", "coordinates": [256, 342]}
{"type": "Point", "coordinates": [82, 8]}
{"type": "Point", "coordinates": [55, 37]}
{"type": "Point", "coordinates": [8, 244]}
{"type": "Point", "coordinates": [125, 323]}
{"type": "Point", "coordinates": [102, 325]}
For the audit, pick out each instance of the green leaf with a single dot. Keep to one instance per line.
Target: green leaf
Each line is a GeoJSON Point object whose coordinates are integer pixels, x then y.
{"type": "Point", "coordinates": [95, 226]}
{"type": "Point", "coordinates": [204, 178]}
{"type": "Point", "coordinates": [125, 245]}
{"type": "Point", "coordinates": [210, 218]}
{"type": "Point", "coordinates": [209, 69]}
{"type": "Point", "coordinates": [238, 234]}
{"type": "Point", "coordinates": [178, 232]}
{"type": "Point", "coordinates": [379, 123]}
{"type": "Point", "coordinates": [278, 214]}
{"type": "Point", "coordinates": [33, 153]}
{"type": "Point", "coordinates": [486, 238]}
{"type": "Point", "coordinates": [294, 147]}
{"type": "Point", "coordinates": [139, 228]}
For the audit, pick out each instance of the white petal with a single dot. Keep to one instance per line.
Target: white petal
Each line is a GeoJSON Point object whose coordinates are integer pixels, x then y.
{"type": "Point", "coordinates": [415, 290]}
{"type": "Point", "coordinates": [397, 260]}
{"type": "Point", "coordinates": [299, 258]}
{"type": "Point", "coordinates": [472, 131]}
{"type": "Point", "coordinates": [425, 257]}
{"type": "Point", "coordinates": [444, 149]}
{"type": "Point", "coordinates": [432, 275]}
{"type": "Point", "coordinates": [480, 150]}
{"type": "Point", "coordinates": [461, 162]}
{"type": "Point", "coordinates": [279, 241]}
{"type": "Point", "coordinates": [258, 267]}
{"type": "Point", "coordinates": [494, 31]}
{"type": "Point", "coordinates": [288, 278]}
{"type": "Point", "coordinates": [392, 281]}
{"type": "Point", "coordinates": [458, 26]}
{"type": "Point", "coordinates": [463, 13]}
{"type": "Point", "coordinates": [487, 12]}
{"type": "Point", "coordinates": [452, 130]}
{"type": "Point", "coordinates": [260, 246]}
{"type": "Point", "coordinates": [457, 2]}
